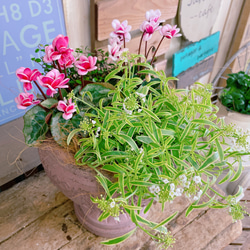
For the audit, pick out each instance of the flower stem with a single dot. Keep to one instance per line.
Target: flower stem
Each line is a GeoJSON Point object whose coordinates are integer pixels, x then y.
{"type": "Point", "coordinates": [146, 45]}
{"type": "Point", "coordinates": [139, 50]}
{"type": "Point", "coordinates": [82, 80]}
{"type": "Point", "coordinates": [65, 72]}
{"type": "Point", "coordinates": [60, 93]}
{"type": "Point", "coordinates": [156, 50]}
{"type": "Point", "coordinates": [151, 48]}
{"type": "Point", "coordinates": [45, 97]}
{"type": "Point", "coordinates": [124, 43]}
{"type": "Point", "coordinates": [59, 67]}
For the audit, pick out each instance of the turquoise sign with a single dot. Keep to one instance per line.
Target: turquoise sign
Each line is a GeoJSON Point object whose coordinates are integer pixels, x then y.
{"type": "Point", "coordinates": [194, 53]}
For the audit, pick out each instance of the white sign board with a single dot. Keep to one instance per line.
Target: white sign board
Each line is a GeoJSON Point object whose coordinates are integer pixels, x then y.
{"type": "Point", "coordinates": [197, 17]}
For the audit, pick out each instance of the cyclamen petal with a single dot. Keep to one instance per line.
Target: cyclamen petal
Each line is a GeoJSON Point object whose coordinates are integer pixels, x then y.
{"type": "Point", "coordinates": [86, 64]}
{"type": "Point", "coordinates": [26, 75]}
{"type": "Point", "coordinates": [52, 81]}
{"type": "Point", "coordinates": [25, 100]}
{"type": "Point", "coordinates": [67, 107]}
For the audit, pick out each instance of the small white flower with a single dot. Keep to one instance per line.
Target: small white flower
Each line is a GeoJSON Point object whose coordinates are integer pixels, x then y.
{"type": "Point", "coordinates": [117, 219]}
{"type": "Point", "coordinates": [93, 122]}
{"type": "Point", "coordinates": [140, 94]}
{"type": "Point", "coordinates": [178, 191]}
{"type": "Point", "coordinates": [165, 181]}
{"type": "Point", "coordinates": [141, 150]}
{"type": "Point", "coordinates": [126, 110]}
{"type": "Point", "coordinates": [144, 99]}
{"type": "Point", "coordinates": [183, 178]}
{"type": "Point", "coordinates": [112, 204]}
{"type": "Point", "coordinates": [199, 193]}
{"type": "Point", "coordinates": [98, 129]}
{"type": "Point", "coordinates": [172, 193]}
{"type": "Point", "coordinates": [152, 189]}
{"type": "Point", "coordinates": [97, 135]}
{"type": "Point", "coordinates": [139, 110]}
{"type": "Point", "coordinates": [197, 179]}
{"type": "Point", "coordinates": [196, 198]}
{"type": "Point", "coordinates": [172, 187]}
{"type": "Point", "coordinates": [187, 184]}
{"type": "Point", "coordinates": [157, 189]}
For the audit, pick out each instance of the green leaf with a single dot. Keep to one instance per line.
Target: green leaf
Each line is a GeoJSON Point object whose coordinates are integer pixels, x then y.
{"type": "Point", "coordinates": [209, 161]}
{"type": "Point", "coordinates": [121, 184]}
{"type": "Point", "coordinates": [97, 91]}
{"type": "Point", "coordinates": [141, 183]}
{"type": "Point", "coordinates": [227, 176]}
{"type": "Point", "coordinates": [238, 173]}
{"type": "Point", "coordinates": [35, 127]}
{"type": "Point", "coordinates": [148, 206]}
{"type": "Point", "coordinates": [204, 122]}
{"type": "Point", "coordinates": [151, 224]}
{"type": "Point", "coordinates": [166, 220]}
{"type": "Point", "coordinates": [132, 207]}
{"type": "Point", "coordinates": [49, 103]}
{"type": "Point", "coordinates": [103, 216]}
{"type": "Point", "coordinates": [144, 139]}
{"type": "Point", "coordinates": [103, 182]}
{"type": "Point", "coordinates": [61, 128]}
{"type": "Point", "coordinates": [205, 204]}
{"type": "Point", "coordinates": [118, 239]}
{"type": "Point", "coordinates": [167, 132]}
{"type": "Point", "coordinates": [151, 114]}
{"type": "Point", "coordinates": [115, 168]}
{"type": "Point", "coordinates": [130, 141]}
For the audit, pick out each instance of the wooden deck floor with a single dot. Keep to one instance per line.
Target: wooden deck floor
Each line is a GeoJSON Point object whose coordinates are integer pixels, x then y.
{"type": "Point", "coordinates": [35, 215]}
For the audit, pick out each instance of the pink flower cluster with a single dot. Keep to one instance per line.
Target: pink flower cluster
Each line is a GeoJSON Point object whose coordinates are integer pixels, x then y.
{"type": "Point", "coordinates": [61, 58]}
{"type": "Point", "coordinates": [26, 76]}
{"type": "Point", "coordinates": [121, 34]}
{"type": "Point", "coordinates": [59, 51]}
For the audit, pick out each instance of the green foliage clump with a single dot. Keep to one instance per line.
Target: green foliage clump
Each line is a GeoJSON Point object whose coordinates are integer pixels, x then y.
{"type": "Point", "coordinates": [236, 95]}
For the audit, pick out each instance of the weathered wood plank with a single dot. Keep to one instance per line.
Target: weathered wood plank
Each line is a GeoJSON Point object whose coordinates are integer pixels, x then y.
{"type": "Point", "coordinates": [16, 157]}
{"type": "Point", "coordinates": [222, 239]}
{"type": "Point", "coordinates": [26, 202]}
{"type": "Point", "coordinates": [205, 227]}
{"type": "Point", "coordinates": [228, 32]}
{"type": "Point", "coordinates": [134, 12]}
{"type": "Point", "coordinates": [242, 36]}
{"type": "Point", "coordinates": [194, 73]}
{"type": "Point", "coordinates": [50, 231]}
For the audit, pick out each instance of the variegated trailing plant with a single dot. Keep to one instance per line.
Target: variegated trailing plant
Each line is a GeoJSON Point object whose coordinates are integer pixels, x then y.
{"type": "Point", "coordinates": [158, 142]}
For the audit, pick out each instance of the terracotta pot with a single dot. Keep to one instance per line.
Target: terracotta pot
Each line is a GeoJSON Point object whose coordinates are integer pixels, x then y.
{"type": "Point", "coordinates": [78, 183]}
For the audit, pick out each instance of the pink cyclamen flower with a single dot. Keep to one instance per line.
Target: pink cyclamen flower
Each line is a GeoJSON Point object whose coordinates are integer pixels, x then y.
{"type": "Point", "coordinates": [169, 32]}
{"type": "Point", "coordinates": [26, 75]}
{"type": "Point", "coordinates": [86, 64]}
{"type": "Point", "coordinates": [154, 15]}
{"type": "Point", "coordinates": [50, 54]}
{"type": "Point", "coordinates": [59, 51]}
{"type": "Point", "coordinates": [121, 30]}
{"type": "Point", "coordinates": [24, 100]}
{"type": "Point", "coordinates": [68, 108]}
{"type": "Point", "coordinates": [115, 51]}
{"type": "Point", "coordinates": [53, 80]}
{"type": "Point", "coordinates": [149, 28]}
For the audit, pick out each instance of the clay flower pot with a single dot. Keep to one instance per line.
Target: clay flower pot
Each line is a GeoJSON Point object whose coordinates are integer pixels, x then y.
{"type": "Point", "coordinates": [78, 183]}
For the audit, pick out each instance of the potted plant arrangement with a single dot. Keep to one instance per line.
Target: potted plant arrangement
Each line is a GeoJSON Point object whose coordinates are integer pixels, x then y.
{"type": "Point", "coordinates": [121, 131]}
